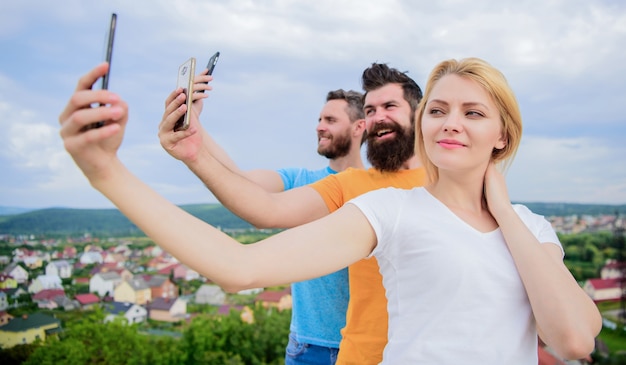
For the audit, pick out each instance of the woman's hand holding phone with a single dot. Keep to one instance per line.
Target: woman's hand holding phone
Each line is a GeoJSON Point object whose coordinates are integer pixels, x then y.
{"type": "Point", "coordinates": [93, 150]}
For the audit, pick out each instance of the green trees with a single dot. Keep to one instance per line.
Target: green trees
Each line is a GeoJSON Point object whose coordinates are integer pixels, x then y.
{"type": "Point", "coordinates": [206, 339]}
{"type": "Point", "coordinates": [228, 340]}
{"type": "Point", "coordinates": [586, 253]}
{"type": "Point", "coordinates": [90, 341]}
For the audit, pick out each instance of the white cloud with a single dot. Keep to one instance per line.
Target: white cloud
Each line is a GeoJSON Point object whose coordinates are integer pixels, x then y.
{"type": "Point", "coordinates": [564, 59]}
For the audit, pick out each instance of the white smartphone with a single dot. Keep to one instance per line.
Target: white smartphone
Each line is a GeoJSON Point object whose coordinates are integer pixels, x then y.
{"type": "Point", "coordinates": [186, 73]}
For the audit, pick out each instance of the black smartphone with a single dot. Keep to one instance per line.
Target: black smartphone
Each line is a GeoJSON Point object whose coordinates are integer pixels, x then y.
{"type": "Point", "coordinates": [212, 62]}
{"type": "Point", "coordinates": [109, 50]}
{"type": "Point", "coordinates": [186, 73]}
{"type": "Point", "coordinates": [211, 65]}
{"type": "Point", "coordinates": [108, 56]}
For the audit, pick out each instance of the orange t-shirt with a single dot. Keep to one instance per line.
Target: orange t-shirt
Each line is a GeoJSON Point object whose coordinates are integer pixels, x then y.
{"type": "Point", "coordinates": [365, 333]}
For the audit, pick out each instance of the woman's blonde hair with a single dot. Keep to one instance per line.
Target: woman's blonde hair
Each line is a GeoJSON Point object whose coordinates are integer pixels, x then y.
{"type": "Point", "coordinates": [494, 82]}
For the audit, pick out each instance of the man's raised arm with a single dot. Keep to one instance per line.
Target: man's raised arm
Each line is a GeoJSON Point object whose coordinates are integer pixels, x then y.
{"type": "Point", "coordinates": [248, 195]}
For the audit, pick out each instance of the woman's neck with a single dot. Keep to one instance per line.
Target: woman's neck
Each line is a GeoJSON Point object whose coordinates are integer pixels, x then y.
{"type": "Point", "coordinates": [465, 198]}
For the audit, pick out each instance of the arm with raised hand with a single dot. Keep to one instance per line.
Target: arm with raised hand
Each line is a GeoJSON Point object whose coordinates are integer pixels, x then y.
{"type": "Point", "coordinates": [293, 255]}
{"type": "Point", "coordinates": [185, 145]}
{"type": "Point", "coordinates": [256, 196]}
{"type": "Point", "coordinates": [567, 319]}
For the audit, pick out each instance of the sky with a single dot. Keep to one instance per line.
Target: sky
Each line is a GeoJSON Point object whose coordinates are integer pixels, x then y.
{"type": "Point", "coordinates": [564, 59]}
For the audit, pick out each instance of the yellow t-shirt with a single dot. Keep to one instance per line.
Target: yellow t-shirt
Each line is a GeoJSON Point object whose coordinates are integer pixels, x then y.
{"type": "Point", "coordinates": [365, 333]}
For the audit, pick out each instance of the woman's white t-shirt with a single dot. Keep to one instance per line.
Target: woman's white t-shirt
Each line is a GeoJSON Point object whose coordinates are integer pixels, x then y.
{"type": "Point", "coordinates": [454, 293]}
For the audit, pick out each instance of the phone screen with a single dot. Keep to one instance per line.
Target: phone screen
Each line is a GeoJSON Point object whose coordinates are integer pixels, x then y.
{"type": "Point", "coordinates": [186, 73]}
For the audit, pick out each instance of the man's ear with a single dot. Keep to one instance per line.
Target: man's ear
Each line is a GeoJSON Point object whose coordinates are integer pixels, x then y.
{"type": "Point", "coordinates": [358, 129]}
{"type": "Point", "coordinates": [359, 126]}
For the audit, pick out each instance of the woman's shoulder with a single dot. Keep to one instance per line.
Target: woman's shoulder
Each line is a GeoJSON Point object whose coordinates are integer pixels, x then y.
{"type": "Point", "coordinates": [393, 195]}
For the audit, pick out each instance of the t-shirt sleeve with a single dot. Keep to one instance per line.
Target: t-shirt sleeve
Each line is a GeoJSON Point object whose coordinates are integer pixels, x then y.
{"type": "Point", "coordinates": [380, 207]}
{"type": "Point", "coordinates": [539, 226]}
{"type": "Point", "coordinates": [289, 176]}
{"type": "Point", "coordinates": [329, 188]}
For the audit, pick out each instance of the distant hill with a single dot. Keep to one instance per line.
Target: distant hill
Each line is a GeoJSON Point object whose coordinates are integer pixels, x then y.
{"type": "Point", "coordinates": [565, 209]}
{"type": "Point", "coordinates": [13, 210]}
{"type": "Point", "coordinates": [110, 222]}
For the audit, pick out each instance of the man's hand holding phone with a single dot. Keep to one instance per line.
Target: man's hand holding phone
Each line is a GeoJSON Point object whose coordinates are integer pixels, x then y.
{"type": "Point", "coordinates": [191, 87]}
{"type": "Point", "coordinates": [185, 79]}
{"type": "Point", "coordinates": [210, 66]}
{"type": "Point", "coordinates": [201, 83]}
{"type": "Point", "coordinates": [184, 144]}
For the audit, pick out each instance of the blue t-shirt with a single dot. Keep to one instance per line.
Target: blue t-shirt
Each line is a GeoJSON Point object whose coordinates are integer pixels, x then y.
{"type": "Point", "coordinates": [319, 305]}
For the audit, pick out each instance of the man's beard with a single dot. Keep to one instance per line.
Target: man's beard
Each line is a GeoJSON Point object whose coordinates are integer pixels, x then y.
{"type": "Point", "coordinates": [389, 155]}
{"type": "Point", "coordinates": [339, 146]}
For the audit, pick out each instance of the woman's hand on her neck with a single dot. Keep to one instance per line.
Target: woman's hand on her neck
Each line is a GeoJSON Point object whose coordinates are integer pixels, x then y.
{"type": "Point", "coordinates": [496, 194]}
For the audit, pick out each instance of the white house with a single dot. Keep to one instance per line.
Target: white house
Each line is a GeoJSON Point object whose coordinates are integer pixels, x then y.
{"type": "Point", "coordinates": [60, 268]}
{"type": "Point", "coordinates": [104, 283]}
{"type": "Point", "coordinates": [603, 289]}
{"type": "Point", "coordinates": [91, 257]}
{"type": "Point", "coordinates": [17, 272]}
{"type": "Point", "coordinates": [133, 313]}
{"type": "Point", "coordinates": [250, 291]}
{"type": "Point", "coordinates": [613, 270]}
{"type": "Point", "coordinates": [45, 282]}
{"type": "Point", "coordinates": [210, 294]}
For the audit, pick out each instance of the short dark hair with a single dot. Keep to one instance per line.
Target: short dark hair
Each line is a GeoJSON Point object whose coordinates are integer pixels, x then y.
{"type": "Point", "coordinates": [379, 75]}
{"type": "Point", "coordinates": [354, 100]}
